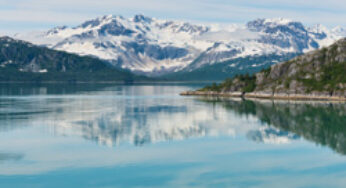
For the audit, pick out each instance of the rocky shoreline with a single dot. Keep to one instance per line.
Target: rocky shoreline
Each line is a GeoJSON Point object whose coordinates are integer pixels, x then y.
{"type": "Point", "coordinates": [314, 76]}
{"type": "Point", "coordinates": [256, 95]}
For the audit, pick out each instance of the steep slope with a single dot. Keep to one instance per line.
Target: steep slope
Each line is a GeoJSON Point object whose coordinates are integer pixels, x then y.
{"type": "Point", "coordinates": [140, 44]}
{"type": "Point", "coordinates": [23, 61]}
{"type": "Point", "coordinates": [318, 74]}
{"type": "Point", "coordinates": [157, 47]}
{"type": "Point", "coordinates": [230, 68]}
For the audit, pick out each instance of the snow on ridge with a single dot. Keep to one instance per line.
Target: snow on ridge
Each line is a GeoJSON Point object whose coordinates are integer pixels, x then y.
{"type": "Point", "coordinates": [340, 31]}
{"type": "Point", "coordinates": [280, 21]}
{"type": "Point", "coordinates": [144, 44]}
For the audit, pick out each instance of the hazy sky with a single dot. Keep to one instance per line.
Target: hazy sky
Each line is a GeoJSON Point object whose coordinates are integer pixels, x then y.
{"type": "Point", "coordinates": [25, 15]}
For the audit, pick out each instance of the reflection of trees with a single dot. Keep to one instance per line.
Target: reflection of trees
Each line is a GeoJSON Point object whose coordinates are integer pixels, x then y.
{"type": "Point", "coordinates": [322, 123]}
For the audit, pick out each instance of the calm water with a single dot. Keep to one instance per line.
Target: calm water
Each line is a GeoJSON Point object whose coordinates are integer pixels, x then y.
{"type": "Point", "coordinates": [149, 136]}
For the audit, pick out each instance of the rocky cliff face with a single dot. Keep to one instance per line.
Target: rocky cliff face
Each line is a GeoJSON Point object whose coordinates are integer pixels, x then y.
{"type": "Point", "coordinates": [318, 73]}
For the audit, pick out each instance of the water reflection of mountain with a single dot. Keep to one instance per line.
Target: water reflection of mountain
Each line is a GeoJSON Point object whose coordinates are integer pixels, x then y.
{"type": "Point", "coordinates": [152, 121]}
{"type": "Point", "coordinates": [136, 128]}
{"type": "Point", "coordinates": [110, 115]}
{"type": "Point", "coordinates": [145, 124]}
{"type": "Point", "coordinates": [322, 123]}
{"type": "Point", "coordinates": [271, 135]}
{"type": "Point", "coordinates": [149, 114]}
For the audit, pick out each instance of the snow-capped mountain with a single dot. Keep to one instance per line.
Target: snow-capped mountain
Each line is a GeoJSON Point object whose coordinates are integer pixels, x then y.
{"type": "Point", "coordinates": [154, 47]}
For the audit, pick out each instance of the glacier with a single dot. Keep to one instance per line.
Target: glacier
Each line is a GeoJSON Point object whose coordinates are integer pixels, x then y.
{"type": "Point", "coordinates": [155, 47]}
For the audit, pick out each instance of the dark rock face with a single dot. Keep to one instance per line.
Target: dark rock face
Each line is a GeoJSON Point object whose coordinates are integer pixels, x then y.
{"type": "Point", "coordinates": [91, 23]}
{"type": "Point", "coordinates": [155, 51]}
{"type": "Point", "coordinates": [209, 56]}
{"type": "Point", "coordinates": [85, 35]}
{"type": "Point", "coordinates": [56, 30]}
{"type": "Point", "coordinates": [186, 27]}
{"type": "Point", "coordinates": [104, 45]}
{"type": "Point", "coordinates": [142, 18]}
{"type": "Point", "coordinates": [115, 28]}
{"type": "Point", "coordinates": [320, 35]}
{"type": "Point", "coordinates": [292, 34]}
{"type": "Point", "coordinates": [269, 27]}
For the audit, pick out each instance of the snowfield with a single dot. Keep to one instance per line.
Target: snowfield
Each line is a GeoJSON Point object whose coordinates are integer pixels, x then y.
{"type": "Point", "coordinates": [154, 47]}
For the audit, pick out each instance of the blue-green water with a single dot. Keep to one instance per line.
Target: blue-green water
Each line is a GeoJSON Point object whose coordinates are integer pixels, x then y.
{"type": "Point", "coordinates": [149, 136]}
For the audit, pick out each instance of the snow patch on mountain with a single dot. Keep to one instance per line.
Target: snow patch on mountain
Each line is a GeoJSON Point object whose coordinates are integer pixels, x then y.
{"type": "Point", "coordinates": [153, 46]}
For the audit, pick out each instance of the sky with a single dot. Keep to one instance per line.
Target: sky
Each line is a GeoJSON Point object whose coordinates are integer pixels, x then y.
{"type": "Point", "coordinates": [18, 16]}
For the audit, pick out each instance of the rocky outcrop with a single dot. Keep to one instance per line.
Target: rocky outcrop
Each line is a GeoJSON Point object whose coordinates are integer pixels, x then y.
{"type": "Point", "coordinates": [318, 75]}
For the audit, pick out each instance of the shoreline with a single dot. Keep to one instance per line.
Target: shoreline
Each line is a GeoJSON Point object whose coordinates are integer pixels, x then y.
{"type": "Point", "coordinates": [296, 97]}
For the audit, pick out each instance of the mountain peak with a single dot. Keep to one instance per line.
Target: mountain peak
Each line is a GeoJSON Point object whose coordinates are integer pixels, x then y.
{"type": "Point", "coordinates": [272, 21]}
{"type": "Point", "coordinates": [269, 24]}
{"type": "Point", "coordinates": [278, 21]}
{"type": "Point", "coordinates": [149, 45]}
{"type": "Point", "coordinates": [142, 18]}
{"type": "Point", "coordinates": [55, 30]}
{"type": "Point", "coordinates": [7, 39]}
{"type": "Point", "coordinates": [101, 20]}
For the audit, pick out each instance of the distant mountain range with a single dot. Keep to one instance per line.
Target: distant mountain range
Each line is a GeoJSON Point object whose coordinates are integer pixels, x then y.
{"type": "Point", "coordinates": [175, 49]}
{"type": "Point", "coordinates": [22, 61]}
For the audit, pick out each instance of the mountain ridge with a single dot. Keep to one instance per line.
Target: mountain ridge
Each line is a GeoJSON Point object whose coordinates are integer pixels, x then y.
{"type": "Point", "coordinates": [155, 47]}
{"type": "Point", "coordinates": [21, 61]}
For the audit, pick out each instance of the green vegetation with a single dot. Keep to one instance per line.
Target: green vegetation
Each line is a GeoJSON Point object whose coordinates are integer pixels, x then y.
{"type": "Point", "coordinates": [267, 71]}
{"type": "Point", "coordinates": [331, 76]}
{"type": "Point", "coordinates": [21, 62]}
{"type": "Point", "coordinates": [322, 72]}
{"type": "Point", "coordinates": [332, 73]}
{"type": "Point", "coordinates": [213, 87]}
{"type": "Point", "coordinates": [247, 83]}
{"type": "Point", "coordinates": [8, 75]}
